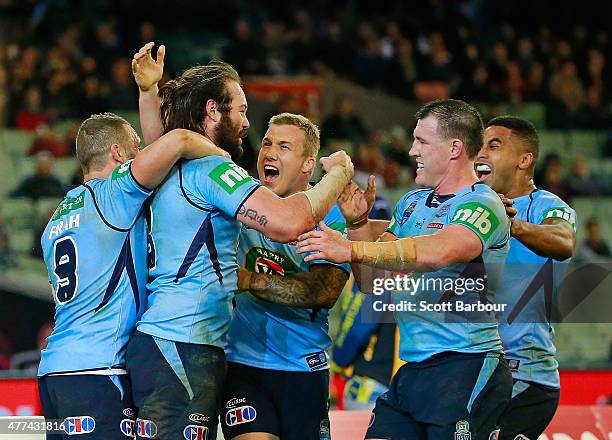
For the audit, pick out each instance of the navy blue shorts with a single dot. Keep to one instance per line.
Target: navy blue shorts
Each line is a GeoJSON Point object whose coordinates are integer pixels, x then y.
{"type": "Point", "coordinates": [292, 405]}
{"type": "Point", "coordinates": [530, 411]}
{"type": "Point", "coordinates": [92, 407]}
{"type": "Point", "coordinates": [176, 387]}
{"type": "Point", "coordinates": [450, 396]}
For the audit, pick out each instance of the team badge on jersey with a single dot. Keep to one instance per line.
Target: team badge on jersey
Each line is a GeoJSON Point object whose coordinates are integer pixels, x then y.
{"type": "Point", "coordinates": [462, 431]}
{"type": "Point", "coordinates": [195, 432]}
{"type": "Point", "coordinates": [240, 415]}
{"type": "Point", "coordinates": [408, 212]}
{"type": "Point", "coordinates": [146, 428]}
{"type": "Point", "coordinates": [79, 425]}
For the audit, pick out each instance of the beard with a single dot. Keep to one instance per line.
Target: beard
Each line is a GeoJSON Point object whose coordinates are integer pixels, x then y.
{"type": "Point", "coordinates": [229, 137]}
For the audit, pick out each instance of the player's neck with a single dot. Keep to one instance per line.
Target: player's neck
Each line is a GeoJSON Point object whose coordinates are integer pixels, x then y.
{"type": "Point", "coordinates": [298, 188]}
{"type": "Point", "coordinates": [454, 182]}
{"type": "Point", "coordinates": [98, 174]}
{"type": "Point", "coordinates": [523, 185]}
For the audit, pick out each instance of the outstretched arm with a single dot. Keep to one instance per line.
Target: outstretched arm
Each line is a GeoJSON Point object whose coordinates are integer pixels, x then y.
{"type": "Point", "coordinates": [152, 165]}
{"type": "Point", "coordinates": [320, 287]}
{"type": "Point", "coordinates": [147, 73]}
{"type": "Point", "coordinates": [453, 244]}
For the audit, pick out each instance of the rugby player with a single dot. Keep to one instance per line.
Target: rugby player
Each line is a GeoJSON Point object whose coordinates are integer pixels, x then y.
{"type": "Point", "coordinates": [176, 356]}
{"type": "Point", "coordinates": [95, 250]}
{"type": "Point", "coordinates": [543, 235]}
{"type": "Point", "coordinates": [278, 369]}
{"type": "Point", "coordinates": [455, 383]}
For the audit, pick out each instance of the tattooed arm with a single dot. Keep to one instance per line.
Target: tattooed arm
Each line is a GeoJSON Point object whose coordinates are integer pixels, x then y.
{"type": "Point", "coordinates": [320, 287]}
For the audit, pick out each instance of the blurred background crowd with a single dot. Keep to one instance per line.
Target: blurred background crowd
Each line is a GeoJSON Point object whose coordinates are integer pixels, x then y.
{"type": "Point", "coordinates": [61, 61]}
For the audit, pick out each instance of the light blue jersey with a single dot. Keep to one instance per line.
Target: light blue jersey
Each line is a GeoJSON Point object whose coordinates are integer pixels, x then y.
{"type": "Point", "coordinates": [274, 336]}
{"type": "Point", "coordinates": [528, 339]}
{"type": "Point", "coordinates": [425, 333]}
{"type": "Point", "coordinates": [194, 234]}
{"type": "Point", "coordinates": [95, 250]}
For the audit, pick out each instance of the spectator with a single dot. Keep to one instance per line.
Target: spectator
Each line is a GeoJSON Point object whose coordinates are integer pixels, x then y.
{"type": "Point", "coordinates": [245, 52]}
{"type": "Point", "coordinates": [42, 183]}
{"type": "Point", "coordinates": [581, 182]}
{"type": "Point", "coordinates": [6, 350]}
{"type": "Point", "coordinates": [46, 140]}
{"type": "Point", "coordinates": [91, 101]}
{"type": "Point", "coordinates": [595, 113]}
{"type": "Point", "coordinates": [567, 92]}
{"type": "Point", "coordinates": [397, 150]}
{"type": "Point", "coordinates": [343, 124]}
{"type": "Point", "coordinates": [593, 247]}
{"type": "Point", "coordinates": [31, 113]}
{"type": "Point", "coordinates": [123, 94]}
{"type": "Point", "coordinates": [550, 176]}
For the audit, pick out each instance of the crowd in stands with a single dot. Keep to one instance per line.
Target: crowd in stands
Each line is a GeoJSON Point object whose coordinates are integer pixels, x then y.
{"type": "Point", "coordinates": [73, 65]}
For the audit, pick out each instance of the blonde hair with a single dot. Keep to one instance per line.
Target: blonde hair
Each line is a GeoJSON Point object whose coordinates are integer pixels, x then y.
{"type": "Point", "coordinates": [311, 131]}
{"type": "Point", "coordinates": [96, 135]}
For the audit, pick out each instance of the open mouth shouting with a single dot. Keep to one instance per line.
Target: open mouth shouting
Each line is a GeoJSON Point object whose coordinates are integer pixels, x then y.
{"type": "Point", "coordinates": [271, 175]}
{"type": "Point", "coordinates": [483, 170]}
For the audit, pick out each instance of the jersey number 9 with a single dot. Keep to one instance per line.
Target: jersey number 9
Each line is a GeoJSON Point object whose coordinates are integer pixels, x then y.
{"type": "Point", "coordinates": [65, 256]}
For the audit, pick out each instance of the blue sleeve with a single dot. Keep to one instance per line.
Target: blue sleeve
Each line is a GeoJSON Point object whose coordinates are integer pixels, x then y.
{"type": "Point", "coordinates": [552, 206]}
{"type": "Point", "coordinates": [120, 198]}
{"type": "Point", "coordinates": [484, 214]}
{"type": "Point", "coordinates": [354, 334]}
{"type": "Point", "coordinates": [336, 221]}
{"type": "Point", "coordinates": [217, 183]}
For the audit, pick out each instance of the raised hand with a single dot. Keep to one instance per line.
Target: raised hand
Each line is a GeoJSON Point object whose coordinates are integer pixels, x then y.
{"type": "Point", "coordinates": [147, 71]}
{"type": "Point", "coordinates": [355, 203]}
{"type": "Point", "coordinates": [338, 158]}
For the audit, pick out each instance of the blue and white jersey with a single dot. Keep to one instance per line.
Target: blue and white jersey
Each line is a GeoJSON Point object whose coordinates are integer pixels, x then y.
{"type": "Point", "coordinates": [528, 338]}
{"type": "Point", "coordinates": [194, 235]}
{"type": "Point", "coordinates": [461, 328]}
{"type": "Point", "coordinates": [95, 250]}
{"type": "Point", "coordinates": [275, 336]}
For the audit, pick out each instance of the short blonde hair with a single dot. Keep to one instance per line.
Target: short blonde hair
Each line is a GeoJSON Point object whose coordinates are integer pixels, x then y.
{"type": "Point", "coordinates": [311, 131]}
{"type": "Point", "coordinates": [96, 134]}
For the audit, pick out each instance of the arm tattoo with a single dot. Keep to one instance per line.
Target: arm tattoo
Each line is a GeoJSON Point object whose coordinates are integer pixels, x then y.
{"type": "Point", "coordinates": [253, 215]}
{"type": "Point", "coordinates": [320, 287]}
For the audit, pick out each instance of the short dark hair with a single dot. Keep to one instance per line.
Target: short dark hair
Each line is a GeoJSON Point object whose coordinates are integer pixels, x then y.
{"type": "Point", "coordinates": [183, 99]}
{"type": "Point", "coordinates": [521, 128]}
{"type": "Point", "coordinates": [456, 119]}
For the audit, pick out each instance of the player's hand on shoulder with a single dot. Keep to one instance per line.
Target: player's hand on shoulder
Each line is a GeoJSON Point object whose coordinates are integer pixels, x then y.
{"type": "Point", "coordinates": [327, 243]}
{"type": "Point", "coordinates": [509, 206]}
{"type": "Point", "coordinates": [355, 203]}
{"type": "Point", "coordinates": [338, 158]}
{"type": "Point", "coordinates": [147, 71]}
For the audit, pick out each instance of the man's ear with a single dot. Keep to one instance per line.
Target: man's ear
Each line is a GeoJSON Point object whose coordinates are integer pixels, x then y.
{"type": "Point", "coordinates": [211, 110]}
{"type": "Point", "coordinates": [457, 146]}
{"type": "Point", "coordinates": [116, 154]}
{"type": "Point", "coordinates": [309, 165]}
{"type": "Point", "coordinates": [525, 161]}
